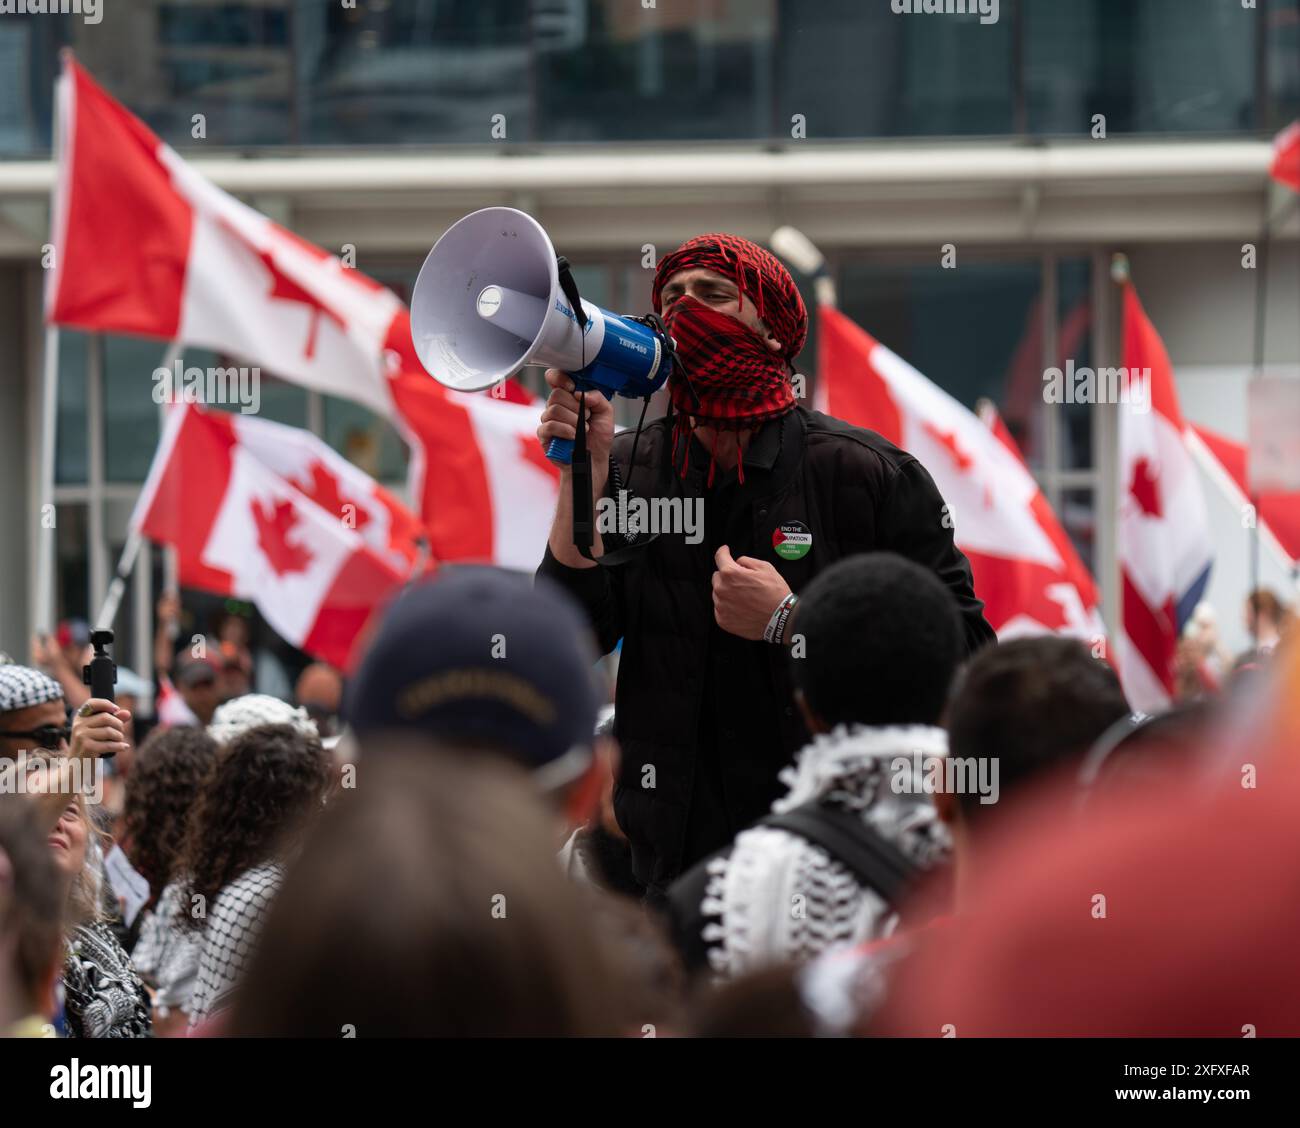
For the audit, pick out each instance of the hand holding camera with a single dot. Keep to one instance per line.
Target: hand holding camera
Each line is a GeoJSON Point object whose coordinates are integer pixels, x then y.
{"type": "Point", "coordinates": [99, 727]}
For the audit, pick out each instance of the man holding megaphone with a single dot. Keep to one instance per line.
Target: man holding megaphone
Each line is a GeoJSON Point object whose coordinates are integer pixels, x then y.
{"type": "Point", "coordinates": [705, 711]}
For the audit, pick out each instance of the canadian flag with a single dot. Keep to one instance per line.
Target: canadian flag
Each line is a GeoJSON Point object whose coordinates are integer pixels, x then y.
{"type": "Point", "coordinates": [1164, 545]}
{"type": "Point", "coordinates": [145, 245]}
{"type": "Point", "coordinates": [268, 513]}
{"type": "Point", "coordinates": [341, 489]}
{"type": "Point", "coordinates": [1285, 168]}
{"type": "Point", "coordinates": [1025, 568]}
{"type": "Point", "coordinates": [1277, 512]}
{"type": "Point", "coordinates": [503, 500]}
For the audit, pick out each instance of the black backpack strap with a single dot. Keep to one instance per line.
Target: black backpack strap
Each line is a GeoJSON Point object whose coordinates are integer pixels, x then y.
{"type": "Point", "coordinates": [876, 862]}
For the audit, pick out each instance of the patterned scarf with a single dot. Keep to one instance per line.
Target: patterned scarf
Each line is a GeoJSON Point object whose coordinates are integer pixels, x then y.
{"type": "Point", "coordinates": [103, 996]}
{"type": "Point", "coordinates": [745, 914]}
{"type": "Point", "coordinates": [737, 380]}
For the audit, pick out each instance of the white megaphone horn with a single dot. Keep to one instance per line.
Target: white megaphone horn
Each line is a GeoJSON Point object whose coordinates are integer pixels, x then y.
{"type": "Point", "coordinates": [489, 300]}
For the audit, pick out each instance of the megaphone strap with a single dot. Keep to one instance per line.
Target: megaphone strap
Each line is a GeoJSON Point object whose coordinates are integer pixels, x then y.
{"type": "Point", "coordinates": [635, 543]}
{"type": "Point", "coordinates": [569, 287]}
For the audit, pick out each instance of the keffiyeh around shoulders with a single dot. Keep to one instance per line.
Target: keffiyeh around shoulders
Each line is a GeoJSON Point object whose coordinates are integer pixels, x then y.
{"type": "Point", "coordinates": [103, 995]}
{"type": "Point", "coordinates": [775, 896]}
{"type": "Point", "coordinates": [166, 955]}
{"type": "Point", "coordinates": [230, 936]}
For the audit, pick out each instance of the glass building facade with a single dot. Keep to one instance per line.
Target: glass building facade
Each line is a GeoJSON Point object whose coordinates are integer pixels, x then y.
{"type": "Point", "coordinates": [287, 78]}
{"type": "Point", "coordinates": [293, 73]}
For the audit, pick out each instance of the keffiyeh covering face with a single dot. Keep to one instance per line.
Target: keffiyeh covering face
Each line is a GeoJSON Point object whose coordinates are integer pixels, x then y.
{"type": "Point", "coordinates": [739, 381]}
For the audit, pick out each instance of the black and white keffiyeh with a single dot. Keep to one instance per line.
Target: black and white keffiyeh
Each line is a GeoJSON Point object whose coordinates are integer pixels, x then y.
{"type": "Point", "coordinates": [777, 897]}
{"type": "Point", "coordinates": [166, 953]}
{"type": "Point", "coordinates": [236, 716]}
{"type": "Point", "coordinates": [230, 936]}
{"type": "Point", "coordinates": [102, 995]}
{"type": "Point", "coordinates": [21, 687]}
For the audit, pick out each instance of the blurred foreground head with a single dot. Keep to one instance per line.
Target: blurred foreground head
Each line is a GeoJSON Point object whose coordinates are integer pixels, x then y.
{"type": "Point", "coordinates": [482, 658]}
{"type": "Point", "coordinates": [1173, 920]}
{"type": "Point", "coordinates": [428, 902]}
{"type": "Point", "coordinates": [1033, 705]}
{"type": "Point", "coordinates": [32, 894]}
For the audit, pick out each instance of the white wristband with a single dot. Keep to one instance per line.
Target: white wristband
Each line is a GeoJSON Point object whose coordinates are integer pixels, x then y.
{"type": "Point", "coordinates": [775, 629]}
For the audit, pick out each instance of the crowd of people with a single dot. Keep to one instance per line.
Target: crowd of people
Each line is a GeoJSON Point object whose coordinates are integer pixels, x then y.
{"type": "Point", "coordinates": [967, 844]}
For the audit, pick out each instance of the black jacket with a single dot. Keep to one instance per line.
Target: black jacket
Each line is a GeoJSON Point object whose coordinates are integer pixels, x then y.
{"type": "Point", "coordinates": [705, 719]}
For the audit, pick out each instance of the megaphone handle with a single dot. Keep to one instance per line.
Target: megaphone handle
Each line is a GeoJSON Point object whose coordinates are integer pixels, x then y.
{"type": "Point", "coordinates": [560, 451]}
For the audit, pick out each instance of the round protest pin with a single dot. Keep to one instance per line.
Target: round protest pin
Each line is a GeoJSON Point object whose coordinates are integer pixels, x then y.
{"type": "Point", "coordinates": [791, 540]}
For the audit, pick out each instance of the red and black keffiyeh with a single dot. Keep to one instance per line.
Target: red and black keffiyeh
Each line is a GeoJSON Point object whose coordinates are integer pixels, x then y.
{"type": "Point", "coordinates": [738, 382]}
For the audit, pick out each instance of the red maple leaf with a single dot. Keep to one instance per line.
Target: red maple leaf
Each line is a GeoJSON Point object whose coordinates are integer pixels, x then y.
{"type": "Point", "coordinates": [948, 439]}
{"type": "Point", "coordinates": [530, 450]}
{"type": "Point", "coordinates": [1145, 488]}
{"type": "Point", "coordinates": [285, 288]}
{"type": "Point", "coordinates": [323, 489]}
{"type": "Point", "coordinates": [273, 531]}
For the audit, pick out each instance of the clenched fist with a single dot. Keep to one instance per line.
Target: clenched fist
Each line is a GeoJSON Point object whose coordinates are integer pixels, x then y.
{"type": "Point", "coordinates": [745, 593]}
{"type": "Point", "coordinates": [560, 419]}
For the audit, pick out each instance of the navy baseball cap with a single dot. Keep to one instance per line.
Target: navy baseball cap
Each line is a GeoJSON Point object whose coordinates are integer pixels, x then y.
{"type": "Point", "coordinates": [483, 655]}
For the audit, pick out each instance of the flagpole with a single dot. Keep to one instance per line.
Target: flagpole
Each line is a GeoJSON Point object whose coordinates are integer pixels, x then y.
{"type": "Point", "coordinates": [419, 564]}
{"type": "Point", "coordinates": [170, 569]}
{"type": "Point", "coordinates": [46, 561]}
{"type": "Point", "coordinates": [125, 565]}
{"type": "Point", "coordinates": [1261, 318]}
{"type": "Point", "coordinates": [796, 248]}
{"type": "Point", "coordinates": [1257, 368]}
{"type": "Point", "coordinates": [135, 539]}
{"type": "Point", "coordinates": [44, 612]}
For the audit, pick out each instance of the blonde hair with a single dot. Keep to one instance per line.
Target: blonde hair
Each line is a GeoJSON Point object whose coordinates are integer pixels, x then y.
{"type": "Point", "coordinates": [85, 903]}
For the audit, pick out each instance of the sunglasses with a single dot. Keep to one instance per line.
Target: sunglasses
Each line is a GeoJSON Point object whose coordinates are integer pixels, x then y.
{"type": "Point", "coordinates": [49, 737]}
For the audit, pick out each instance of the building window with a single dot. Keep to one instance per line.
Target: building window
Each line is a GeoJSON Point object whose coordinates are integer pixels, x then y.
{"type": "Point", "coordinates": [131, 415]}
{"type": "Point", "coordinates": [1159, 66]}
{"type": "Point", "coordinates": [72, 456]}
{"type": "Point", "coordinates": [860, 70]}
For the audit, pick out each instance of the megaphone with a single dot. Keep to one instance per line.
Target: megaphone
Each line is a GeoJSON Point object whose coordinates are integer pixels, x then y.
{"type": "Point", "coordinates": [491, 298]}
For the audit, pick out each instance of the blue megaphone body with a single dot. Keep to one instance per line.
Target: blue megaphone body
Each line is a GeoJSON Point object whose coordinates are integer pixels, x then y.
{"type": "Point", "coordinates": [492, 298]}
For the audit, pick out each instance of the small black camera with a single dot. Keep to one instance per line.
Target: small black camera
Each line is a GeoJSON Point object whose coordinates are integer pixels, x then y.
{"type": "Point", "coordinates": [101, 673]}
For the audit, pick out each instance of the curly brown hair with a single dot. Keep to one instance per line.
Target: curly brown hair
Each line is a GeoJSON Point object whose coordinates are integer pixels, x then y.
{"type": "Point", "coordinates": [165, 782]}
{"type": "Point", "coordinates": [268, 784]}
